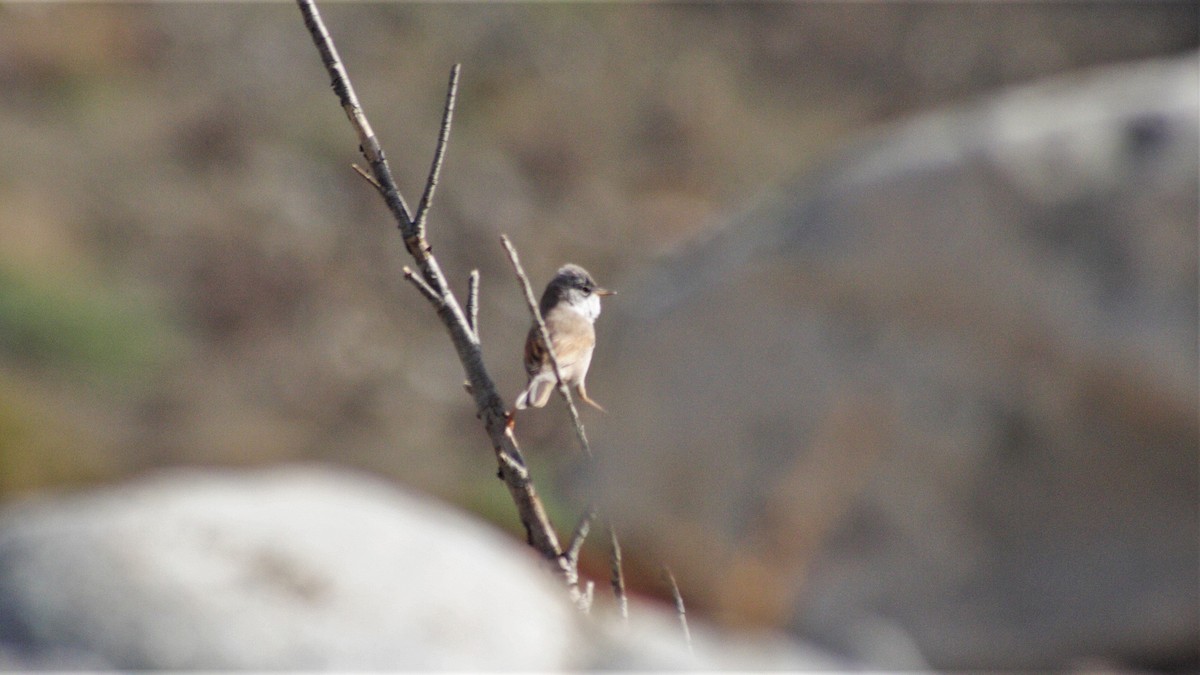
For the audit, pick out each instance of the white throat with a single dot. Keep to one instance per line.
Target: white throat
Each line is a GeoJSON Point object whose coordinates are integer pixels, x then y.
{"type": "Point", "coordinates": [588, 307]}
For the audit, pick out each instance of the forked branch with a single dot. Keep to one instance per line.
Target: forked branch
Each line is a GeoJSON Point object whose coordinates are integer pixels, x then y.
{"type": "Point", "coordinates": [431, 283]}
{"type": "Point", "coordinates": [463, 328]}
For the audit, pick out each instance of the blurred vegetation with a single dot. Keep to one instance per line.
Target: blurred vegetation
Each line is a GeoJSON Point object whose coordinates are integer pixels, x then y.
{"type": "Point", "coordinates": [80, 332]}
{"type": "Point", "coordinates": [60, 338]}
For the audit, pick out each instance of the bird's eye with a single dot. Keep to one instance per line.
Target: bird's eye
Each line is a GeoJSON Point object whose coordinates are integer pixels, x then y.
{"type": "Point", "coordinates": [587, 290]}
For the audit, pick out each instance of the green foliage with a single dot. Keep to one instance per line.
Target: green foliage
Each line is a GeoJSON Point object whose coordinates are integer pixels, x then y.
{"type": "Point", "coordinates": [78, 330]}
{"type": "Point", "coordinates": [63, 340]}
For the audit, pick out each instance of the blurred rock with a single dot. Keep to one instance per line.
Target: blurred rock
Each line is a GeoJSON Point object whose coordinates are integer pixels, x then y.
{"type": "Point", "coordinates": [938, 403]}
{"type": "Point", "coordinates": [307, 568]}
{"type": "Point", "coordinates": [300, 568]}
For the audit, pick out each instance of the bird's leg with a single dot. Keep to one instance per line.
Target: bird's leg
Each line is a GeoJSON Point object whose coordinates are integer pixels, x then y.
{"type": "Point", "coordinates": [584, 397]}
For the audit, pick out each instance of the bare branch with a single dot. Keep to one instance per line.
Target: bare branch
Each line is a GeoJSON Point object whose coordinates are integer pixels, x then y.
{"type": "Point", "coordinates": [571, 556]}
{"type": "Point", "coordinates": [473, 302]}
{"type": "Point", "coordinates": [516, 476]}
{"type": "Point", "coordinates": [579, 535]}
{"type": "Point", "coordinates": [581, 530]}
{"type": "Point", "coordinates": [545, 334]}
{"type": "Point", "coordinates": [367, 177]}
{"type": "Point", "coordinates": [430, 294]}
{"type": "Point", "coordinates": [432, 284]}
{"type": "Point", "coordinates": [367, 143]}
{"type": "Point", "coordinates": [618, 575]}
{"type": "Point", "coordinates": [439, 152]}
{"type": "Point", "coordinates": [679, 608]}
{"type": "Point", "coordinates": [589, 593]}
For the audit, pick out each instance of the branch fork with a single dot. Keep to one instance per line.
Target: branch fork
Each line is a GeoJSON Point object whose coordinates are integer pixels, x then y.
{"type": "Point", "coordinates": [463, 327]}
{"type": "Point", "coordinates": [428, 279]}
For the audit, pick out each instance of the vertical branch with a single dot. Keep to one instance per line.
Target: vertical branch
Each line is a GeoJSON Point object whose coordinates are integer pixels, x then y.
{"type": "Point", "coordinates": [618, 575]}
{"type": "Point", "coordinates": [473, 302]}
{"type": "Point", "coordinates": [570, 560]}
{"type": "Point", "coordinates": [680, 610]}
{"type": "Point", "coordinates": [586, 597]}
{"type": "Point", "coordinates": [545, 334]}
{"type": "Point", "coordinates": [439, 152]}
{"type": "Point", "coordinates": [571, 557]}
{"type": "Point", "coordinates": [581, 530]}
{"type": "Point", "coordinates": [579, 535]}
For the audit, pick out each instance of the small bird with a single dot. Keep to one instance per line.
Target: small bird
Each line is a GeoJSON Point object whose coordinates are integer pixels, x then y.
{"type": "Point", "coordinates": [569, 307]}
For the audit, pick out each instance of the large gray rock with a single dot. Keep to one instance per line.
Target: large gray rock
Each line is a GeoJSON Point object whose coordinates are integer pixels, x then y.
{"type": "Point", "coordinates": [939, 402]}
{"type": "Point", "coordinates": [307, 568]}
{"type": "Point", "coordinates": [293, 569]}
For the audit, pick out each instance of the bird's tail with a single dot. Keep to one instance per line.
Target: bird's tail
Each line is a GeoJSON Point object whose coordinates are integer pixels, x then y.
{"type": "Point", "coordinates": [537, 393]}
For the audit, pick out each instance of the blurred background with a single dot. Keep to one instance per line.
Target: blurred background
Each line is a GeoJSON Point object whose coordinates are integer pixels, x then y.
{"type": "Point", "coordinates": [904, 359]}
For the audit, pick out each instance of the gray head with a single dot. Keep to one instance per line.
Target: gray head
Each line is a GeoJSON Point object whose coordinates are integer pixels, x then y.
{"type": "Point", "coordinates": [572, 284]}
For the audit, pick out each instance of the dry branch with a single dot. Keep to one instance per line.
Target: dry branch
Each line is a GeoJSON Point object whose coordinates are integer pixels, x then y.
{"type": "Point", "coordinates": [585, 522]}
{"type": "Point", "coordinates": [618, 574]}
{"type": "Point", "coordinates": [531, 302]}
{"type": "Point", "coordinates": [439, 152]}
{"type": "Point", "coordinates": [430, 294]}
{"type": "Point", "coordinates": [578, 536]}
{"type": "Point", "coordinates": [680, 610]}
{"type": "Point", "coordinates": [473, 302]}
{"type": "Point", "coordinates": [433, 286]}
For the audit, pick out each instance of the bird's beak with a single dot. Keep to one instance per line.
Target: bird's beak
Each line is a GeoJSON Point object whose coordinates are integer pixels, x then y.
{"type": "Point", "coordinates": [605, 291]}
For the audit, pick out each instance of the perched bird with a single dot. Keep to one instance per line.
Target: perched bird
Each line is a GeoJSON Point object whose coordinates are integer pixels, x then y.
{"type": "Point", "coordinates": [569, 307]}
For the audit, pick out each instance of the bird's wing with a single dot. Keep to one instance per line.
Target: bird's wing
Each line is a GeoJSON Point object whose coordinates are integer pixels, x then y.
{"type": "Point", "coordinates": [535, 352]}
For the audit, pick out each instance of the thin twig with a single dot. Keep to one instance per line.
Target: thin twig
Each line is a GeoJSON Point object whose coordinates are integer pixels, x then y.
{"type": "Point", "coordinates": [430, 294]}
{"type": "Point", "coordinates": [439, 152]}
{"type": "Point", "coordinates": [679, 608]}
{"type": "Point", "coordinates": [574, 548]}
{"type": "Point", "coordinates": [545, 335]}
{"type": "Point", "coordinates": [581, 532]}
{"type": "Point", "coordinates": [367, 177]}
{"type": "Point", "coordinates": [473, 302]}
{"type": "Point", "coordinates": [488, 403]}
{"type": "Point", "coordinates": [618, 575]}
{"type": "Point", "coordinates": [589, 594]}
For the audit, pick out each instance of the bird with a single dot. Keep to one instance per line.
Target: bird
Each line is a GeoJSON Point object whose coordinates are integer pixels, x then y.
{"type": "Point", "coordinates": [569, 307]}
